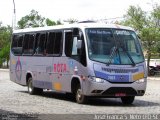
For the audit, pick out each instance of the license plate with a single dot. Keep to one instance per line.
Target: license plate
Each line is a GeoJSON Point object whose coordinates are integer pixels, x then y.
{"type": "Point", "coordinates": [120, 94]}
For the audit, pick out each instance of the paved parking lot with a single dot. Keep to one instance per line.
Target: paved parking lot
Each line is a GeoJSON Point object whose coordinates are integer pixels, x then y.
{"type": "Point", "coordinates": [15, 99]}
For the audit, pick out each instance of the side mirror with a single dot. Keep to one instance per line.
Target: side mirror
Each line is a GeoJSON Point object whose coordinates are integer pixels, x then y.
{"type": "Point", "coordinates": [79, 44]}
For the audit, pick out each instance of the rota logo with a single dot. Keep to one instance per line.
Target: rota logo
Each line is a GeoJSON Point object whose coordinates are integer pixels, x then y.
{"type": "Point", "coordinates": [60, 68]}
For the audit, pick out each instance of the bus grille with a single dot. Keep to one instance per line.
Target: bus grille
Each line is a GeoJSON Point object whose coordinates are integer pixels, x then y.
{"type": "Point", "coordinates": [120, 70]}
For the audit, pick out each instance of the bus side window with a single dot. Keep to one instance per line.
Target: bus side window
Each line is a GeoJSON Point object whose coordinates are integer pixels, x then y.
{"type": "Point", "coordinates": [16, 46]}
{"type": "Point", "coordinates": [28, 44]}
{"type": "Point", "coordinates": [68, 43]}
{"type": "Point", "coordinates": [40, 47]}
{"type": "Point", "coordinates": [58, 43]}
{"type": "Point", "coordinates": [31, 43]}
{"type": "Point", "coordinates": [54, 43]}
{"type": "Point", "coordinates": [25, 43]}
{"type": "Point", "coordinates": [50, 43]}
{"type": "Point", "coordinates": [36, 42]}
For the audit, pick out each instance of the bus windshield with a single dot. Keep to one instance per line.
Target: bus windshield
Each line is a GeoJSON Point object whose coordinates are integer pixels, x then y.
{"type": "Point", "coordinates": [114, 46]}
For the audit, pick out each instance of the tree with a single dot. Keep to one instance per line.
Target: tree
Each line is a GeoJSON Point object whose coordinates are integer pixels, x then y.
{"type": "Point", "coordinates": [71, 20]}
{"type": "Point", "coordinates": [156, 15]}
{"type": "Point", "coordinates": [5, 36]}
{"type": "Point", "coordinates": [50, 22]}
{"type": "Point", "coordinates": [35, 20]}
{"type": "Point", "coordinates": [4, 55]}
{"type": "Point", "coordinates": [156, 19]}
{"type": "Point", "coordinates": [59, 22]}
{"type": "Point", "coordinates": [135, 18]}
{"type": "Point", "coordinates": [31, 20]}
{"type": "Point", "coordinates": [150, 36]}
{"type": "Point", "coordinates": [146, 28]}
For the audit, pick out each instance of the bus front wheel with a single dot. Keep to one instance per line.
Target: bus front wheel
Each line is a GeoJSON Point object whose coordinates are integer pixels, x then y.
{"type": "Point", "coordinates": [127, 100]}
{"type": "Point", "coordinates": [31, 89]}
{"type": "Point", "coordinates": [80, 98]}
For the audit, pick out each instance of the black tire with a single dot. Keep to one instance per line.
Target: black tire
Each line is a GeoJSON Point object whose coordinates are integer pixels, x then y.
{"type": "Point", "coordinates": [152, 72]}
{"type": "Point", "coordinates": [33, 90]}
{"type": "Point", "coordinates": [80, 98]}
{"type": "Point", "coordinates": [70, 96]}
{"type": "Point", "coordinates": [128, 100]}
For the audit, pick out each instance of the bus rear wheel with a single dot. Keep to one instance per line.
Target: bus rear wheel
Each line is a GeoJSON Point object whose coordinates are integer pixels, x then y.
{"type": "Point", "coordinates": [152, 72]}
{"type": "Point", "coordinates": [127, 100]}
{"type": "Point", "coordinates": [33, 90]}
{"type": "Point", "coordinates": [80, 98]}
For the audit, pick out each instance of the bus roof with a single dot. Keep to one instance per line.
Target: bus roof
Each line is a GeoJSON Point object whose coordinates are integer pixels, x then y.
{"type": "Point", "coordinates": [79, 25]}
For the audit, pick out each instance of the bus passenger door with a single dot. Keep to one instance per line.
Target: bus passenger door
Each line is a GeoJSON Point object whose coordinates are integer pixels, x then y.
{"type": "Point", "coordinates": [73, 57]}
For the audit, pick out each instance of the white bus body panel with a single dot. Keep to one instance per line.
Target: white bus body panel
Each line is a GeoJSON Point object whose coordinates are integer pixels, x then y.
{"type": "Point", "coordinates": [56, 73]}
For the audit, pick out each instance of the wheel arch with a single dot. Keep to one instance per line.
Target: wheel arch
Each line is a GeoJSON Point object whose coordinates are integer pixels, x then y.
{"type": "Point", "coordinates": [28, 75]}
{"type": "Point", "coordinates": [74, 82]}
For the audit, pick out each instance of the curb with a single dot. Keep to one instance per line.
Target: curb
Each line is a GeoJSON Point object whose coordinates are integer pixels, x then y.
{"type": "Point", "coordinates": [4, 70]}
{"type": "Point", "coordinates": [153, 78]}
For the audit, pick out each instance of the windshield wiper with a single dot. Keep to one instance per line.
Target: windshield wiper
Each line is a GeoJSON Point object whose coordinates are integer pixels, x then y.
{"type": "Point", "coordinates": [112, 55]}
{"type": "Point", "coordinates": [115, 49]}
{"type": "Point", "coordinates": [133, 63]}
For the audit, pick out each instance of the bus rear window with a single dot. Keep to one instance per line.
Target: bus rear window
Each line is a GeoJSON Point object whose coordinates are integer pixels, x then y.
{"type": "Point", "coordinates": [16, 46]}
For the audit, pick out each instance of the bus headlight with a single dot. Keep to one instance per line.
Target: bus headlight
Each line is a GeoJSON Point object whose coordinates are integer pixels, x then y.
{"type": "Point", "coordinates": [94, 79]}
{"type": "Point", "coordinates": [99, 80]}
{"type": "Point", "coordinates": [140, 81]}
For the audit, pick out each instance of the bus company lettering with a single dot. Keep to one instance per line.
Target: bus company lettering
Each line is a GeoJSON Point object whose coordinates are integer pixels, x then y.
{"type": "Point", "coordinates": [60, 67]}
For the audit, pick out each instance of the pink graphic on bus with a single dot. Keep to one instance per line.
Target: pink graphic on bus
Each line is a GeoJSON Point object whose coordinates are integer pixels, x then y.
{"type": "Point", "coordinates": [60, 68]}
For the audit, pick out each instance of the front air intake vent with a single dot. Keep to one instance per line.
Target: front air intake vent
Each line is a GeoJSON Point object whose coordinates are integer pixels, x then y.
{"type": "Point", "coordinates": [120, 70]}
{"type": "Point", "coordinates": [113, 90]}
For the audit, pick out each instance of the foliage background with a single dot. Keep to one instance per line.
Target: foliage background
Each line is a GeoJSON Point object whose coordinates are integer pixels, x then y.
{"type": "Point", "coordinates": [146, 25]}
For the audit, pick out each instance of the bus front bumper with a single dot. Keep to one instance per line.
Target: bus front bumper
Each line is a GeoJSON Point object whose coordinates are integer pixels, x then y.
{"type": "Point", "coordinates": [109, 89]}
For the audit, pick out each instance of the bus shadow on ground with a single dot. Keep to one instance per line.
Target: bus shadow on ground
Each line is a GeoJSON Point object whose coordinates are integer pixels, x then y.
{"type": "Point", "coordinates": [117, 102]}
{"type": "Point", "coordinates": [97, 101]}
{"type": "Point", "coordinates": [5, 112]}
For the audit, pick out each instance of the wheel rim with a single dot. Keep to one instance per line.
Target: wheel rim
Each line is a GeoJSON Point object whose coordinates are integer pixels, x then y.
{"type": "Point", "coordinates": [152, 73]}
{"type": "Point", "coordinates": [79, 95]}
{"type": "Point", "coordinates": [30, 87]}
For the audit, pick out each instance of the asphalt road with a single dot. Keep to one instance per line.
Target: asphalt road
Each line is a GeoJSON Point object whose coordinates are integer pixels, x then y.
{"type": "Point", "coordinates": [15, 99]}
